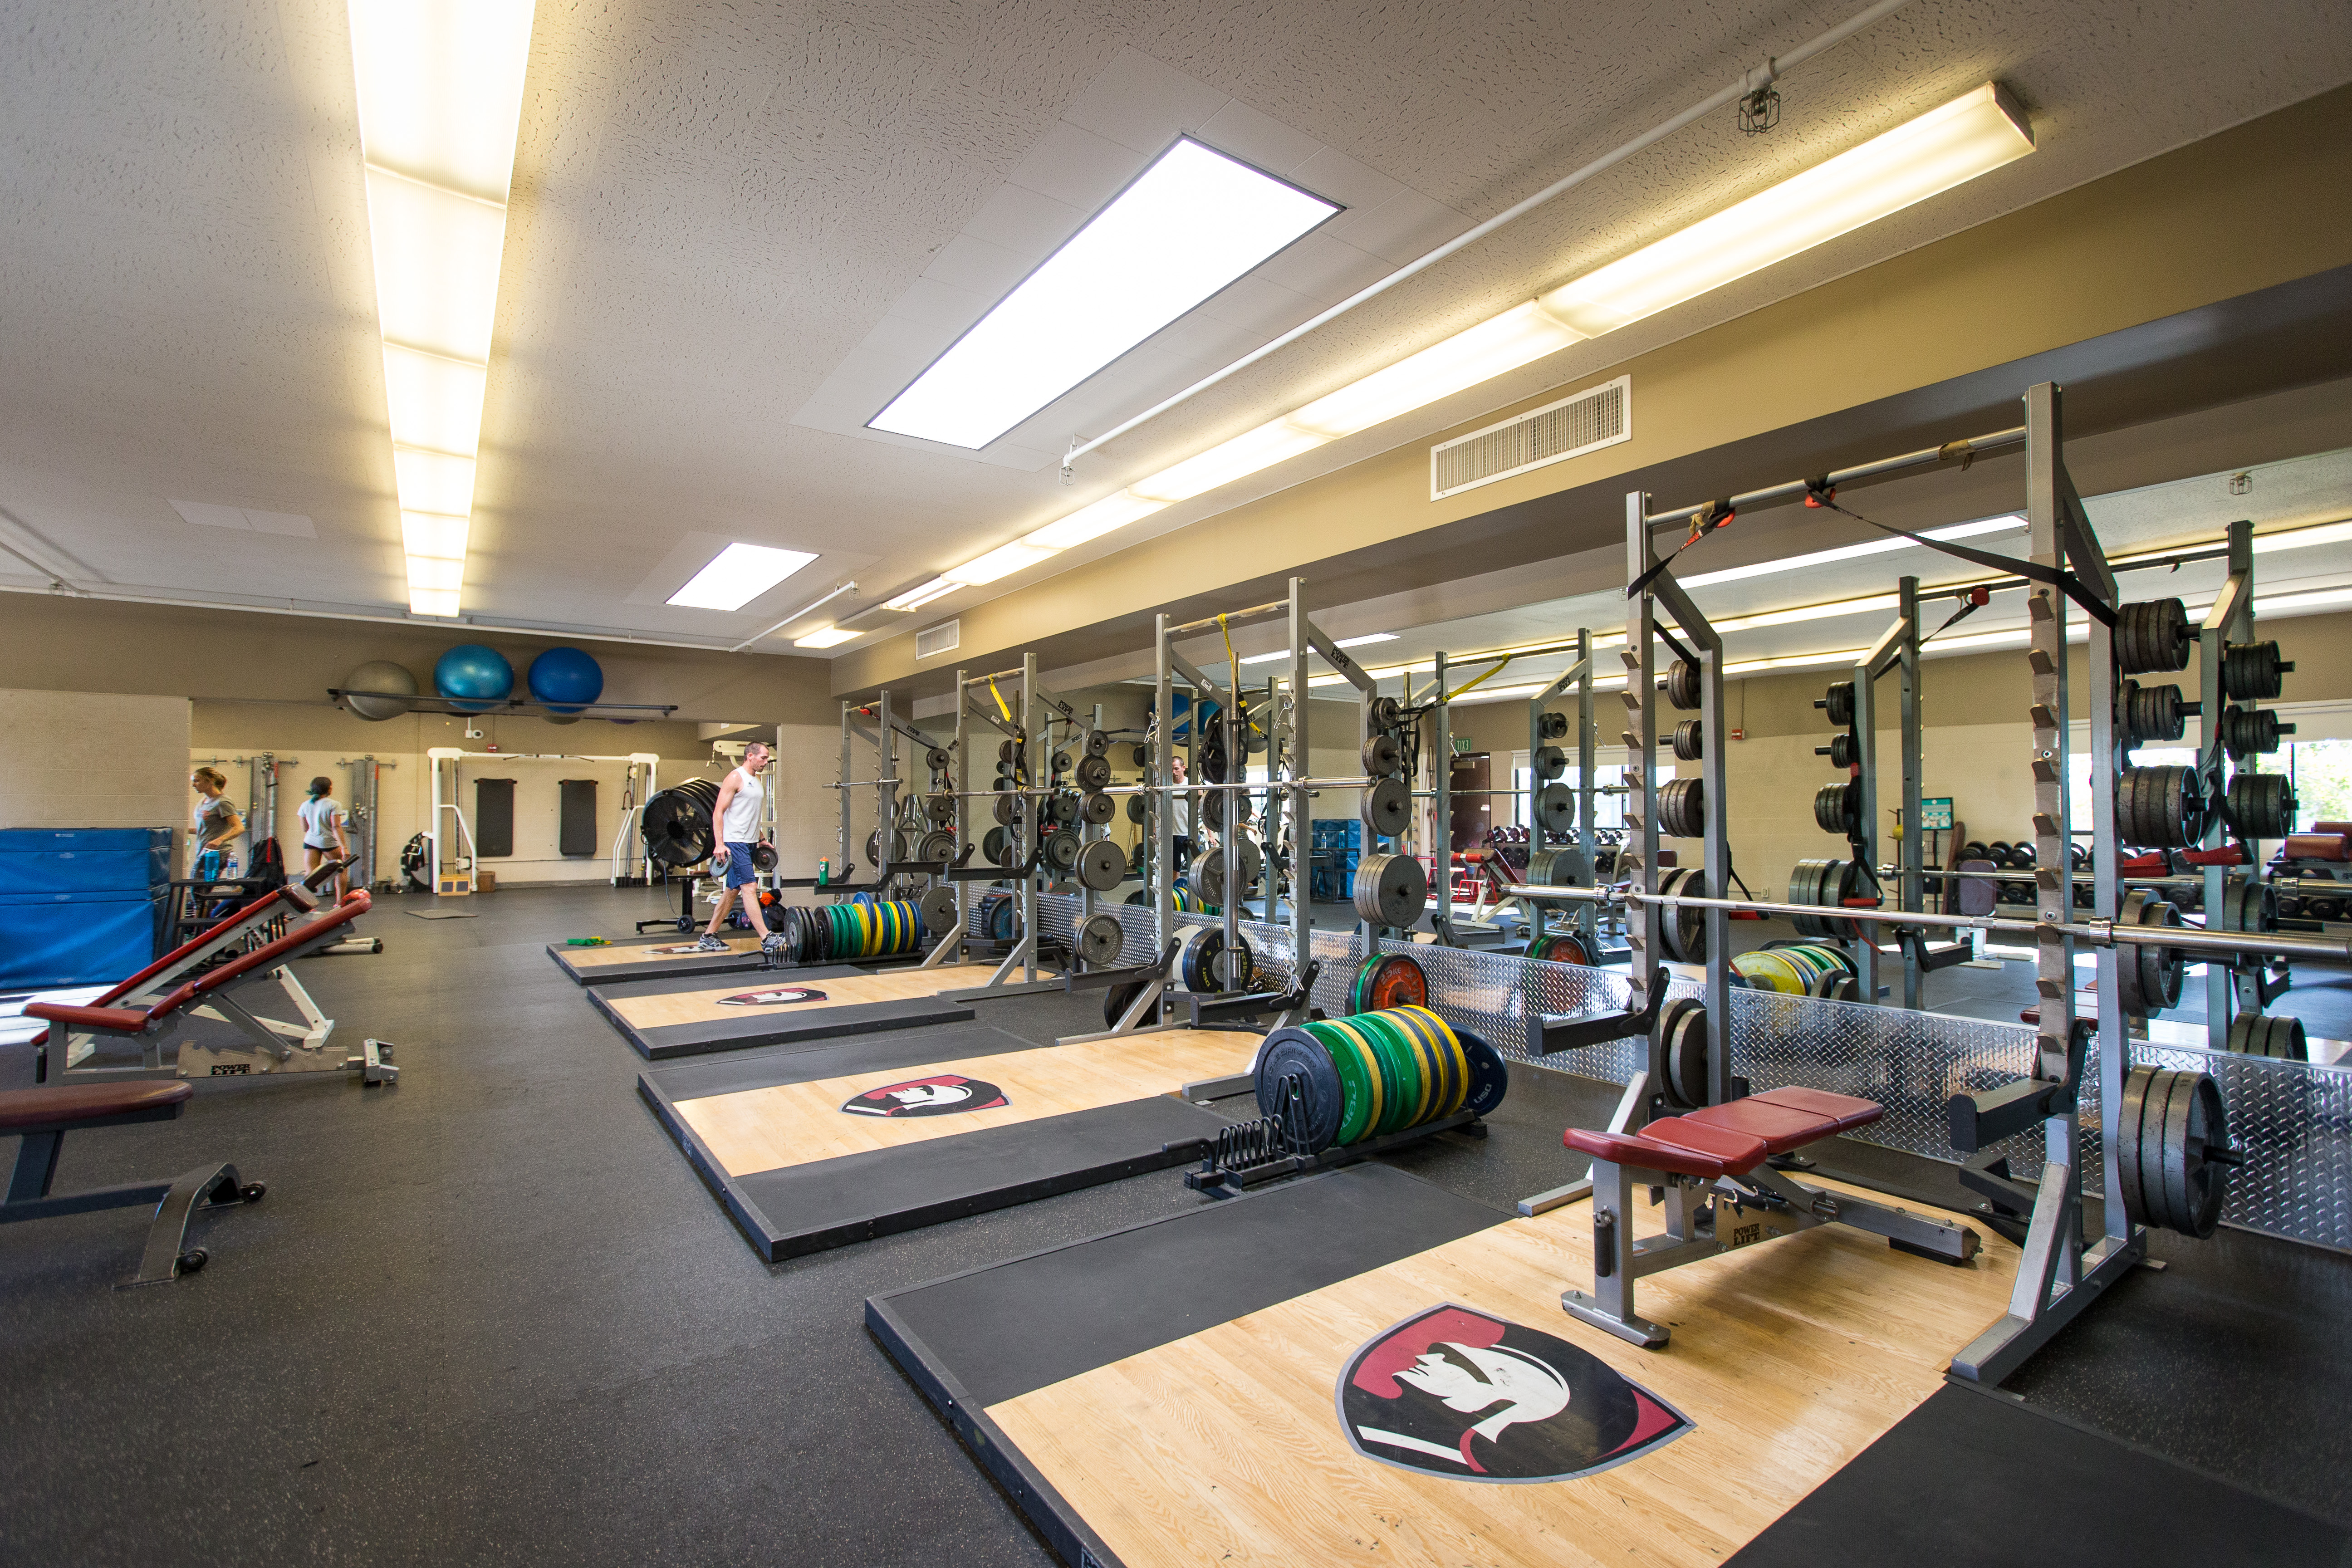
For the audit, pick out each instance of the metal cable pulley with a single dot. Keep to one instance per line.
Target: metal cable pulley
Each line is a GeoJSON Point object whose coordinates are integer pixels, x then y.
{"type": "Point", "coordinates": [1682, 808]}
{"type": "Point", "coordinates": [1682, 684]}
{"type": "Point", "coordinates": [1390, 890]}
{"type": "Point", "coordinates": [2152, 637]}
{"type": "Point", "coordinates": [2173, 1151]}
{"type": "Point", "coordinates": [2147, 979]}
{"type": "Point", "coordinates": [2160, 808]}
{"type": "Point", "coordinates": [2251, 672]}
{"type": "Point", "coordinates": [2260, 805]}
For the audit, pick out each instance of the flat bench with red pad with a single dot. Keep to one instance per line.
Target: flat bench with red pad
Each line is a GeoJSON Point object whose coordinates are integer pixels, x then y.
{"type": "Point", "coordinates": [1733, 1139]}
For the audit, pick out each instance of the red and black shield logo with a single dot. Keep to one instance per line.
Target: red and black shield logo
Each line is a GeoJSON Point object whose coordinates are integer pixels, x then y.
{"type": "Point", "coordinates": [779, 996]}
{"type": "Point", "coordinates": [942, 1096]}
{"type": "Point", "coordinates": [1454, 1391]}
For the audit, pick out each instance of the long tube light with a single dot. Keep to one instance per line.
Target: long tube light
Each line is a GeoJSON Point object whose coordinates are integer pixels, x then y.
{"type": "Point", "coordinates": [440, 105]}
{"type": "Point", "coordinates": [1973, 134]}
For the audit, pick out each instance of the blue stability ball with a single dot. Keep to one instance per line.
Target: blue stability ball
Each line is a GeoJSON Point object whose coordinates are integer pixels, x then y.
{"type": "Point", "coordinates": [473, 677]}
{"type": "Point", "coordinates": [565, 679]}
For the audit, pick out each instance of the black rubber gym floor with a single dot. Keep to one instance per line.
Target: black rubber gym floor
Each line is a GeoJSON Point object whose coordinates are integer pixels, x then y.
{"type": "Point", "coordinates": [491, 1315]}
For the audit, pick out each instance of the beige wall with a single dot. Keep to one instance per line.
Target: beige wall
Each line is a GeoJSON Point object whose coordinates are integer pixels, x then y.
{"type": "Point", "coordinates": [70, 759]}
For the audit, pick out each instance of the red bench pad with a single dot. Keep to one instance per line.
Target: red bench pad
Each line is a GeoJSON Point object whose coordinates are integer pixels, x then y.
{"type": "Point", "coordinates": [1845, 1112]}
{"type": "Point", "coordinates": [116, 1020]}
{"type": "Point", "coordinates": [23, 1108]}
{"type": "Point", "coordinates": [1676, 1145]}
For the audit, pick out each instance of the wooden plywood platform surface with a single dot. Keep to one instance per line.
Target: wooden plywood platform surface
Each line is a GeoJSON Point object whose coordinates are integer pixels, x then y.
{"type": "Point", "coordinates": [709, 1005]}
{"type": "Point", "coordinates": [1789, 1358]}
{"type": "Point", "coordinates": [800, 1123]}
{"type": "Point", "coordinates": [626, 951]}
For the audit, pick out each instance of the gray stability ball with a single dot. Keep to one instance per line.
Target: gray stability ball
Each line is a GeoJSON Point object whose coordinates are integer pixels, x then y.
{"type": "Point", "coordinates": [379, 690]}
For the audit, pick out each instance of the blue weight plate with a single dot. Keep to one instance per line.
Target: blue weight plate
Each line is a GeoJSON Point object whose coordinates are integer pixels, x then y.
{"type": "Point", "coordinates": [1490, 1076]}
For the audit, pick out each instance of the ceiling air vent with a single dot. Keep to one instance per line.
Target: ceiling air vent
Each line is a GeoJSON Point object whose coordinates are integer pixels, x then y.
{"type": "Point", "coordinates": [1596, 417]}
{"type": "Point", "coordinates": [945, 637]}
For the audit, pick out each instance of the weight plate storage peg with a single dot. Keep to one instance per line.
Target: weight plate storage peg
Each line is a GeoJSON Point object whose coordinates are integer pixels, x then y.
{"type": "Point", "coordinates": [1094, 772]}
{"type": "Point", "coordinates": [1382, 756]}
{"type": "Point", "coordinates": [1062, 850]}
{"type": "Point", "coordinates": [1840, 752]}
{"type": "Point", "coordinates": [1690, 741]}
{"type": "Point", "coordinates": [1134, 807]}
{"type": "Point", "coordinates": [2260, 805]}
{"type": "Point", "coordinates": [2250, 671]}
{"type": "Point", "coordinates": [1682, 684]}
{"type": "Point", "coordinates": [1550, 763]}
{"type": "Point", "coordinates": [936, 846]}
{"type": "Point", "coordinates": [2175, 1153]}
{"type": "Point", "coordinates": [1387, 713]}
{"type": "Point", "coordinates": [938, 759]}
{"type": "Point", "coordinates": [1392, 890]}
{"type": "Point", "coordinates": [939, 909]}
{"type": "Point", "coordinates": [1682, 808]}
{"type": "Point", "coordinates": [1679, 1039]}
{"type": "Point", "coordinates": [1102, 865]}
{"type": "Point", "coordinates": [1097, 742]}
{"type": "Point", "coordinates": [2160, 808]}
{"type": "Point", "coordinates": [1008, 809]}
{"type": "Point", "coordinates": [1552, 727]}
{"type": "Point", "coordinates": [2153, 714]}
{"type": "Point", "coordinates": [1555, 808]}
{"type": "Point", "coordinates": [2251, 731]}
{"type": "Point", "coordinates": [1099, 809]}
{"type": "Point", "coordinates": [1388, 807]}
{"type": "Point", "coordinates": [1837, 809]}
{"type": "Point", "coordinates": [1100, 941]}
{"type": "Point", "coordinates": [1838, 703]}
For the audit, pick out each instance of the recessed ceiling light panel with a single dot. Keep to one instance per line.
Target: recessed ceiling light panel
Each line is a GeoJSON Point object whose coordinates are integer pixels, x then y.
{"type": "Point", "coordinates": [739, 574]}
{"type": "Point", "coordinates": [1188, 226]}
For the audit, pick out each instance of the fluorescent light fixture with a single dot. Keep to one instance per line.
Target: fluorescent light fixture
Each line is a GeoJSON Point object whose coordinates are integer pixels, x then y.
{"type": "Point", "coordinates": [440, 87]}
{"type": "Point", "coordinates": [1112, 512]}
{"type": "Point", "coordinates": [737, 576]}
{"type": "Point", "coordinates": [1229, 460]}
{"type": "Point", "coordinates": [436, 538]}
{"type": "Point", "coordinates": [2288, 603]}
{"type": "Point", "coordinates": [1519, 336]}
{"type": "Point", "coordinates": [1498, 693]}
{"type": "Point", "coordinates": [1851, 552]}
{"type": "Point", "coordinates": [1973, 134]}
{"type": "Point", "coordinates": [1343, 642]}
{"type": "Point", "coordinates": [826, 636]}
{"type": "Point", "coordinates": [915, 598]}
{"type": "Point", "coordinates": [2302, 538]}
{"type": "Point", "coordinates": [436, 402]}
{"type": "Point", "coordinates": [433, 482]}
{"type": "Point", "coordinates": [1187, 226]}
{"type": "Point", "coordinates": [1000, 562]}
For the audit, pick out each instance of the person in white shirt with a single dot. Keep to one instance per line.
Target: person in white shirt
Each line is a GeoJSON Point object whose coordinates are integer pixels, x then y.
{"type": "Point", "coordinates": [736, 817]}
{"type": "Point", "coordinates": [322, 831]}
{"type": "Point", "coordinates": [217, 826]}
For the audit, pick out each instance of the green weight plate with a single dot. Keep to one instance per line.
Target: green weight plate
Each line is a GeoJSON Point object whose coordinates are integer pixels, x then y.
{"type": "Point", "coordinates": [1407, 1093]}
{"type": "Point", "coordinates": [1443, 1065]}
{"type": "Point", "coordinates": [1359, 988]}
{"type": "Point", "coordinates": [1359, 1078]}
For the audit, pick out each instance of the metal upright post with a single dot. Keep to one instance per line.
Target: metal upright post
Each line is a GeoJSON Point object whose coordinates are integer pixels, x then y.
{"type": "Point", "coordinates": [886, 789]}
{"type": "Point", "coordinates": [1639, 857]}
{"type": "Point", "coordinates": [1440, 822]}
{"type": "Point", "coordinates": [2231, 619]}
{"type": "Point", "coordinates": [1865, 842]}
{"type": "Point", "coordinates": [845, 864]}
{"type": "Point", "coordinates": [1163, 849]}
{"type": "Point", "coordinates": [1912, 848]}
{"type": "Point", "coordinates": [1302, 826]}
{"type": "Point", "coordinates": [1229, 805]}
{"type": "Point", "coordinates": [962, 808]}
{"type": "Point", "coordinates": [1588, 916]}
{"type": "Point", "coordinates": [2052, 820]}
{"type": "Point", "coordinates": [1038, 756]}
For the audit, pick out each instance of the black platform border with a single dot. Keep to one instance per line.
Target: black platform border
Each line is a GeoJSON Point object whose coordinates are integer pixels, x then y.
{"type": "Point", "coordinates": [678, 966]}
{"type": "Point", "coordinates": [669, 1042]}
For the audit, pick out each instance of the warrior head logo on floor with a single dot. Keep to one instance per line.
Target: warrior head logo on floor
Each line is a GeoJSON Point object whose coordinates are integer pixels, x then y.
{"type": "Point", "coordinates": [1454, 1391]}
{"type": "Point", "coordinates": [927, 1097]}
{"type": "Point", "coordinates": [781, 996]}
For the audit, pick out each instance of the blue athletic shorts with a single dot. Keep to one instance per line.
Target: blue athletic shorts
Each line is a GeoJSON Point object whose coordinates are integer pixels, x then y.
{"type": "Point", "coordinates": [739, 866]}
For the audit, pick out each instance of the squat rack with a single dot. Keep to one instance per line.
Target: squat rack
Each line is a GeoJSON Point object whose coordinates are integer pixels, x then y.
{"type": "Point", "coordinates": [436, 755]}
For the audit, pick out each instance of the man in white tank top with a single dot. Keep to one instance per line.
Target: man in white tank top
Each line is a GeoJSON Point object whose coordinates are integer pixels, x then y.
{"type": "Point", "coordinates": [736, 817]}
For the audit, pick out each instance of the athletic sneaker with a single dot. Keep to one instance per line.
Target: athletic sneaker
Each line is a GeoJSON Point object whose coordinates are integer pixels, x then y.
{"type": "Point", "coordinates": [710, 943]}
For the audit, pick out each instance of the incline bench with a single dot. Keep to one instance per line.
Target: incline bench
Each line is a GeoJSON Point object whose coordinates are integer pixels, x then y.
{"type": "Point", "coordinates": [1721, 1195]}
{"type": "Point", "coordinates": [135, 1010]}
{"type": "Point", "coordinates": [41, 1117]}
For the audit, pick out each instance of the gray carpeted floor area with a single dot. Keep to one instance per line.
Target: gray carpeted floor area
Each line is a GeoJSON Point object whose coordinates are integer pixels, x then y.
{"type": "Point", "coordinates": [489, 1315]}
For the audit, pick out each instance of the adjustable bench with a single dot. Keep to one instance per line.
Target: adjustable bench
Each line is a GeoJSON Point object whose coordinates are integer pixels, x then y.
{"type": "Point", "coordinates": [1721, 1195]}
{"type": "Point", "coordinates": [271, 1045]}
{"type": "Point", "coordinates": [41, 1117]}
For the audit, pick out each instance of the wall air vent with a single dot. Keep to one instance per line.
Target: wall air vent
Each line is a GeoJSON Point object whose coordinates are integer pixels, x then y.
{"type": "Point", "coordinates": [945, 637]}
{"type": "Point", "coordinates": [1596, 417]}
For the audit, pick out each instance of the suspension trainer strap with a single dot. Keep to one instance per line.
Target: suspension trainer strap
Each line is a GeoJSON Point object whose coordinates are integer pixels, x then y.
{"type": "Point", "coordinates": [1715, 514]}
{"type": "Point", "coordinates": [1819, 492]}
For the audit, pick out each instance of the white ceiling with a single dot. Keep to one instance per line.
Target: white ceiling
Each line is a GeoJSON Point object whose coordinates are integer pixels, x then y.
{"type": "Point", "coordinates": [719, 214]}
